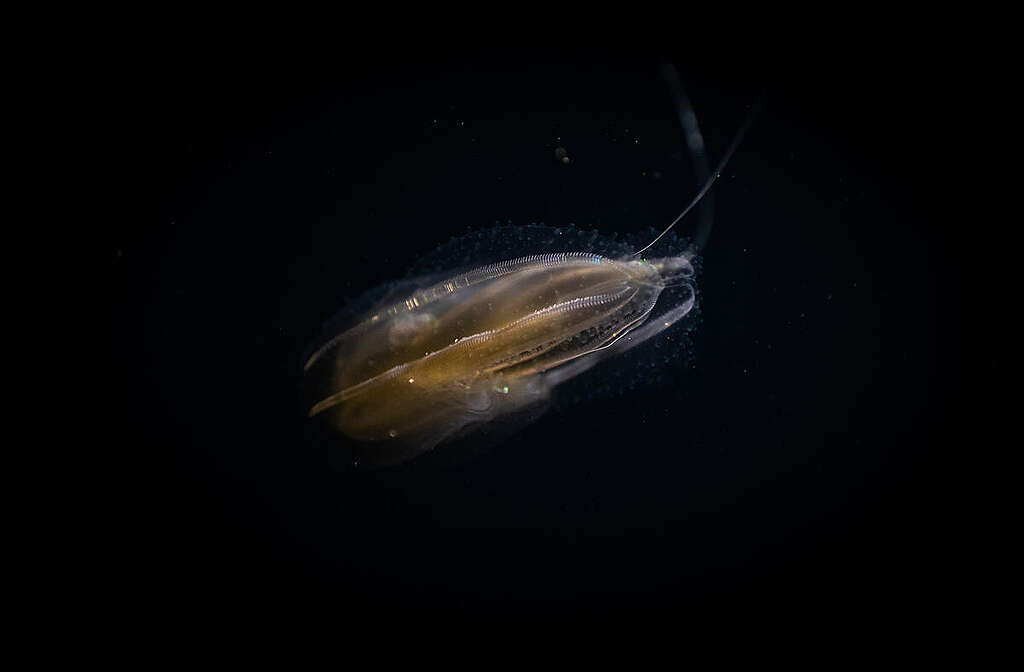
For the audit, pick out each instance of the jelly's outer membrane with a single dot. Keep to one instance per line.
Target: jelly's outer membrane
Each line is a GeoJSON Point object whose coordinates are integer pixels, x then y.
{"type": "Point", "coordinates": [486, 343]}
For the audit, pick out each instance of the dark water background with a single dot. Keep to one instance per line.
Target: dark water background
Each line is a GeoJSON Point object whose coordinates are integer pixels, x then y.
{"type": "Point", "coordinates": [806, 455]}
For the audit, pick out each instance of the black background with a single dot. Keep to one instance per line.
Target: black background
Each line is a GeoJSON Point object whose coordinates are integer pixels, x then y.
{"type": "Point", "coordinates": [809, 456]}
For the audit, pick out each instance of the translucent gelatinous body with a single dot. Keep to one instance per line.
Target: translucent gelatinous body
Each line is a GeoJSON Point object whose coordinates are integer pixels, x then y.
{"type": "Point", "coordinates": [434, 363]}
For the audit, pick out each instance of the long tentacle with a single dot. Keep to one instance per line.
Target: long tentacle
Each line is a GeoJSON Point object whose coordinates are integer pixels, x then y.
{"type": "Point", "coordinates": [704, 230]}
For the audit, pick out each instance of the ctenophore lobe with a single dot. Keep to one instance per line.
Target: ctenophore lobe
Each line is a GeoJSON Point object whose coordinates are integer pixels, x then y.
{"type": "Point", "coordinates": [453, 355]}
